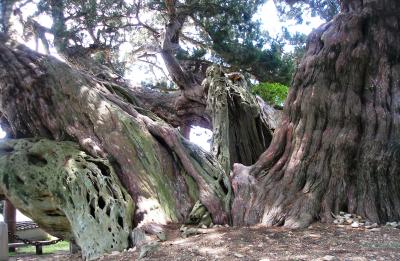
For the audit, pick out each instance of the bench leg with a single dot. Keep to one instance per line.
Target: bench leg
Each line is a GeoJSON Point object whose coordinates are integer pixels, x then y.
{"type": "Point", "coordinates": [73, 247]}
{"type": "Point", "coordinates": [39, 250]}
{"type": "Point", "coordinates": [3, 241]}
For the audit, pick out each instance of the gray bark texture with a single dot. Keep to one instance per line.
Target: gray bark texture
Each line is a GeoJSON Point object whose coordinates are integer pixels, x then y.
{"type": "Point", "coordinates": [240, 132]}
{"type": "Point", "coordinates": [164, 174]}
{"type": "Point", "coordinates": [69, 193]}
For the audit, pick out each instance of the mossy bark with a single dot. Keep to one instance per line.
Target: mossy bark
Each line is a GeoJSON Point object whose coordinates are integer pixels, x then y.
{"type": "Point", "coordinates": [70, 194]}
{"type": "Point", "coordinates": [240, 132]}
{"type": "Point", "coordinates": [333, 150]}
{"type": "Point", "coordinates": [164, 173]}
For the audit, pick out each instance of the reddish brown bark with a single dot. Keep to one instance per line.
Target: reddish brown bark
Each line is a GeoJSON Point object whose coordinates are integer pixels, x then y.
{"type": "Point", "coordinates": [334, 150]}
{"type": "Point", "coordinates": [42, 97]}
{"type": "Point", "coordinates": [10, 218]}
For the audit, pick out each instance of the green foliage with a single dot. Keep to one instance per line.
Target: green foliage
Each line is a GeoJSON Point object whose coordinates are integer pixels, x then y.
{"type": "Point", "coordinates": [273, 93]}
{"type": "Point", "coordinates": [214, 31]}
{"type": "Point", "coordinates": [96, 25]}
{"type": "Point", "coordinates": [294, 9]}
{"type": "Point", "coordinates": [237, 39]}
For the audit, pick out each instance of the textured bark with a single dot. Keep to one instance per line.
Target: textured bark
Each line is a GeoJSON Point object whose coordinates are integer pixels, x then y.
{"type": "Point", "coordinates": [335, 148]}
{"type": "Point", "coordinates": [164, 173]}
{"type": "Point", "coordinates": [269, 114]}
{"type": "Point", "coordinates": [172, 106]}
{"type": "Point", "coordinates": [69, 193]}
{"type": "Point", "coordinates": [240, 133]}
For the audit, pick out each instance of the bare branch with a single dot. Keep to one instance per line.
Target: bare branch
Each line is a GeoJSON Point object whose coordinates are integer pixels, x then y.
{"type": "Point", "coordinates": [157, 66]}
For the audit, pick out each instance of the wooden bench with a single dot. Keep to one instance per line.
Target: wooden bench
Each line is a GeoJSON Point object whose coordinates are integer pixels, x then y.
{"type": "Point", "coordinates": [38, 245]}
{"type": "Point", "coordinates": [26, 225]}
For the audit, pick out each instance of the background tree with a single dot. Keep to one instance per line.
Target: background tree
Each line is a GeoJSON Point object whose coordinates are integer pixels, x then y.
{"type": "Point", "coordinates": [186, 35]}
{"type": "Point", "coordinates": [294, 9]}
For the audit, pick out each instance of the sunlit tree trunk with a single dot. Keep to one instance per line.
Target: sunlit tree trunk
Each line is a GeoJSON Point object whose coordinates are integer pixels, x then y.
{"type": "Point", "coordinates": [164, 174]}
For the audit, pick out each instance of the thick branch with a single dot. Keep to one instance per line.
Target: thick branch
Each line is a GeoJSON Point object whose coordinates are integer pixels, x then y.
{"type": "Point", "coordinates": [172, 107]}
{"type": "Point", "coordinates": [59, 102]}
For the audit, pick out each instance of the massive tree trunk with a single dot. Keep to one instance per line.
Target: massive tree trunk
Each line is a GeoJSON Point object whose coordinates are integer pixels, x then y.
{"type": "Point", "coordinates": [337, 148]}
{"type": "Point", "coordinates": [164, 174]}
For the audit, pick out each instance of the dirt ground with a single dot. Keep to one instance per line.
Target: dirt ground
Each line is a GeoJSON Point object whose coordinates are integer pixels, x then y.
{"type": "Point", "coordinates": [318, 242]}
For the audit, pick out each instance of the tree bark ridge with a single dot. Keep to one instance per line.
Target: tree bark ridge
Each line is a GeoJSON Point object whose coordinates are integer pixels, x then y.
{"type": "Point", "coordinates": [334, 148]}
{"type": "Point", "coordinates": [58, 102]}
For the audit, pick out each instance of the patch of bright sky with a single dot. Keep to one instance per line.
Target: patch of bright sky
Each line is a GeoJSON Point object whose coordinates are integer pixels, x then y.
{"type": "Point", "coordinates": [268, 14]}
{"type": "Point", "coordinates": [201, 137]}
{"type": "Point", "coordinates": [42, 19]}
{"type": "Point", "coordinates": [19, 217]}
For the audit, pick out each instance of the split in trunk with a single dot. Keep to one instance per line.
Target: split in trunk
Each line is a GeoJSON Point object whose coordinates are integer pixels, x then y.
{"type": "Point", "coordinates": [240, 132]}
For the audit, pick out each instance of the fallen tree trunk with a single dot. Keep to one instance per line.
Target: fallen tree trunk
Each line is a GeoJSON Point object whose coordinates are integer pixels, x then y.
{"type": "Point", "coordinates": [163, 173]}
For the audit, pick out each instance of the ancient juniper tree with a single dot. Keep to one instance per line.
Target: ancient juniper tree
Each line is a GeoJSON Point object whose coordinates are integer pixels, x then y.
{"type": "Point", "coordinates": [336, 147]}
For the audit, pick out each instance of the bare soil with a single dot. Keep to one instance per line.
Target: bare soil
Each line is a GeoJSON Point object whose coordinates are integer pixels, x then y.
{"type": "Point", "coordinates": [318, 242]}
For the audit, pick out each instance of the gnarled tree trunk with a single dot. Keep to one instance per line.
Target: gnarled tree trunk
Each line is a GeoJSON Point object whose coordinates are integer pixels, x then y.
{"type": "Point", "coordinates": [69, 193]}
{"type": "Point", "coordinates": [240, 132]}
{"type": "Point", "coordinates": [164, 174]}
{"type": "Point", "coordinates": [336, 147]}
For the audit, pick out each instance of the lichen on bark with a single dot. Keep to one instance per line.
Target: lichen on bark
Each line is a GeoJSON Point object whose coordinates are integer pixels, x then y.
{"type": "Point", "coordinates": [71, 194]}
{"type": "Point", "coordinates": [164, 173]}
{"type": "Point", "coordinates": [240, 132]}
